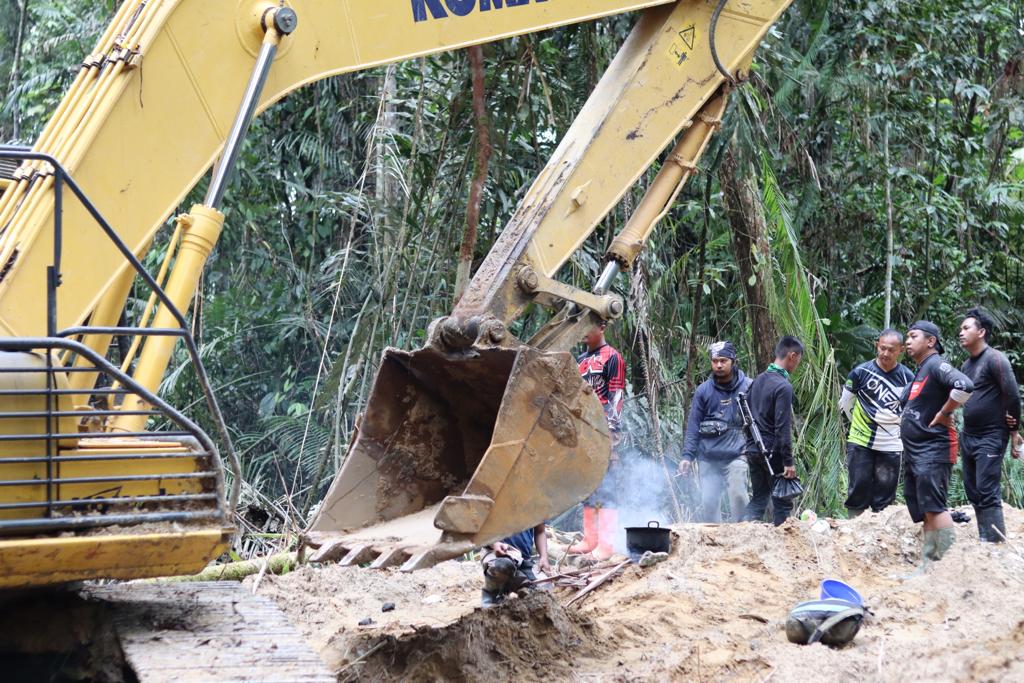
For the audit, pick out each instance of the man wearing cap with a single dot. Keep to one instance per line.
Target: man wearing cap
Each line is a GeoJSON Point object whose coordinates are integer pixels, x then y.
{"type": "Point", "coordinates": [989, 418]}
{"type": "Point", "coordinates": [602, 367]}
{"type": "Point", "coordinates": [715, 439]}
{"type": "Point", "coordinates": [874, 450]}
{"type": "Point", "coordinates": [929, 440]}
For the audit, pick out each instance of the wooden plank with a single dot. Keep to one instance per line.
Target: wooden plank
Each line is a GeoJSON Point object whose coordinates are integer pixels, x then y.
{"type": "Point", "coordinates": [207, 631]}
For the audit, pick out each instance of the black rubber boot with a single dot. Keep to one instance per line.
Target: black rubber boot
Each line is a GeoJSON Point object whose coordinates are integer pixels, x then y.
{"type": "Point", "coordinates": [497, 575]}
{"type": "Point", "coordinates": [989, 520]}
{"type": "Point", "coordinates": [489, 598]}
{"type": "Point", "coordinates": [983, 530]}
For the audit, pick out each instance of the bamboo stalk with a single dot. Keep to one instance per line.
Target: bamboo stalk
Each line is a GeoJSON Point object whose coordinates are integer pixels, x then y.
{"type": "Point", "coordinates": [236, 571]}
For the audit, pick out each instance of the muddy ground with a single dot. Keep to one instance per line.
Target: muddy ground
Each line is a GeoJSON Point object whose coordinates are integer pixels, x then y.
{"type": "Point", "coordinates": [713, 612]}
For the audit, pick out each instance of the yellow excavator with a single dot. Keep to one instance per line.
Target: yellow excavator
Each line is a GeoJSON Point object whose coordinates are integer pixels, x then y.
{"type": "Point", "coordinates": [473, 437]}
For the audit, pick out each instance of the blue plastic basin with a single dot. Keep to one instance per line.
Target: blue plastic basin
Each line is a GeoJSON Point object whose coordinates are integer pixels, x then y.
{"type": "Point", "coordinates": [833, 588]}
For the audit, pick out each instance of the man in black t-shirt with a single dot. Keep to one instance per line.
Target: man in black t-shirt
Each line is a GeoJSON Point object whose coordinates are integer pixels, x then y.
{"type": "Point", "coordinates": [929, 440]}
{"type": "Point", "coordinates": [993, 412]}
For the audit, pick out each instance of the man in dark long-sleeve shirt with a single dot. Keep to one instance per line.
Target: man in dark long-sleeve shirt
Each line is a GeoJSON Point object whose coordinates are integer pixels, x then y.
{"type": "Point", "coordinates": [715, 438]}
{"type": "Point", "coordinates": [994, 408]}
{"type": "Point", "coordinates": [930, 442]}
{"type": "Point", "coordinates": [771, 403]}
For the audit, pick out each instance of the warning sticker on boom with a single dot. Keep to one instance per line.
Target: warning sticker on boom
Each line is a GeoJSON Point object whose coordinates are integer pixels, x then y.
{"type": "Point", "coordinates": [683, 44]}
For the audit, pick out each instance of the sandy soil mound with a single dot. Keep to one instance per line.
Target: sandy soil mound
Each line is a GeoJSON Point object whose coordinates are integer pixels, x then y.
{"type": "Point", "coordinates": [713, 612]}
{"type": "Point", "coordinates": [530, 638]}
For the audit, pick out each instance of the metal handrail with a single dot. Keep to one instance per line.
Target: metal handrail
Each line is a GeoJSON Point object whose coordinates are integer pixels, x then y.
{"type": "Point", "coordinates": [62, 177]}
{"type": "Point", "coordinates": [51, 480]}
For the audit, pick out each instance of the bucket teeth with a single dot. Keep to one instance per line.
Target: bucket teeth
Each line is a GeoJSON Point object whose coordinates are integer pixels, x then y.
{"type": "Point", "coordinates": [422, 558]}
{"type": "Point", "coordinates": [390, 557]}
{"type": "Point", "coordinates": [349, 552]}
{"type": "Point", "coordinates": [357, 555]}
{"type": "Point", "coordinates": [330, 551]}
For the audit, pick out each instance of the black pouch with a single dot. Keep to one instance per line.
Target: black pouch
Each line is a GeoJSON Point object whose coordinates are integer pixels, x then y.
{"type": "Point", "coordinates": [712, 428]}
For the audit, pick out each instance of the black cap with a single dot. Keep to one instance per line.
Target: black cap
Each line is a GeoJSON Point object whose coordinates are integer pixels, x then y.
{"type": "Point", "coordinates": [722, 349]}
{"type": "Point", "coordinates": [930, 329]}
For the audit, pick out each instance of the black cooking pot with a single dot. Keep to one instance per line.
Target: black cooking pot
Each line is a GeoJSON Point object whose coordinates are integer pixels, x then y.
{"type": "Point", "coordinates": [640, 539]}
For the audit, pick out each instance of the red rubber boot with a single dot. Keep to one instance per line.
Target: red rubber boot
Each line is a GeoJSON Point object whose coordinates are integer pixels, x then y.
{"type": "Point", "coordinates": [589, 541]}
{"type": "Point", "coordinates": [608, 526]}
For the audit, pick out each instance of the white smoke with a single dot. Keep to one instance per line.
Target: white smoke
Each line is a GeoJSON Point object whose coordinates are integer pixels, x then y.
{"type": "Point", "coordinates": [642, 494]}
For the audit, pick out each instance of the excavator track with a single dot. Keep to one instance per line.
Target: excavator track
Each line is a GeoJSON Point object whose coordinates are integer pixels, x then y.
{"type": "Point", "coordinates": [206, 631]}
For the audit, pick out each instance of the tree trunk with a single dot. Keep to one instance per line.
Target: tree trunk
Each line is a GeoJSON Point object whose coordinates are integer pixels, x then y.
{"type": "Point", "coordinates": [753, 254]}
{"type": "Point", "coordinates": [16, 68]}
{"type": "Point", "coordinates": [483, 158]}
{"type": "Point", "coordinates": [386, 188]}
{"type": "Point", "coordinates": [889, 233]}
{"type": "Point", "coordinates": [697, 297]}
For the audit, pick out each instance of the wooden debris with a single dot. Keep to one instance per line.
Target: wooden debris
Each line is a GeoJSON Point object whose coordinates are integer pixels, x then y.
{"type": "Point", "coordinates": [597, 583]}
{"type": "Point", "coordinates": [755, 617]}
{"type": "Point", "coordinates": [571, 573]}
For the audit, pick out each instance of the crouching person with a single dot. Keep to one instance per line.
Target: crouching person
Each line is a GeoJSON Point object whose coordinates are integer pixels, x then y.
{"type": "Point", "coordinates": [508, 565]}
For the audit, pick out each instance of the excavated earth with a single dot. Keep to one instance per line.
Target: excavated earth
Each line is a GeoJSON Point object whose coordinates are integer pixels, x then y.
{"type": "Point", "coordinates": [713, 612]}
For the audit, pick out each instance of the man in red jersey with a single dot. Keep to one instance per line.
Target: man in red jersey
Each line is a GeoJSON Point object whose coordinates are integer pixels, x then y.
{"type": "Point", "coordinates": [603, 368]}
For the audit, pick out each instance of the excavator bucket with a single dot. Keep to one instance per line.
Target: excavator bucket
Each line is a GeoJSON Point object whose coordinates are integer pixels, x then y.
{"type": "Point", "coordinates": [458, 450]}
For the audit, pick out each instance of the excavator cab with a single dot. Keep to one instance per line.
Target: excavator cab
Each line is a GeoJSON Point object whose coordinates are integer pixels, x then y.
{"type": "Point", "coordinates": [458, 448]}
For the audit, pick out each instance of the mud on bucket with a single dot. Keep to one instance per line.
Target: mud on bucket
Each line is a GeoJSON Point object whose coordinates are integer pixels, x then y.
{"type": "Point", "coordinates": [497, 439]}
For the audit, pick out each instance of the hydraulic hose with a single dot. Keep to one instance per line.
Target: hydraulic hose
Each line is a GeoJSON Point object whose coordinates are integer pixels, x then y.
{"type": "Point", "coordinates": [711, 39]}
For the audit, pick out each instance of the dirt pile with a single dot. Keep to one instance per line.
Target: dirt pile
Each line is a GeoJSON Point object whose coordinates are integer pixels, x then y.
{"type": "Point", "coordinates": [526, 639]}
{"type": "Point", "coordinates": [714, 611]}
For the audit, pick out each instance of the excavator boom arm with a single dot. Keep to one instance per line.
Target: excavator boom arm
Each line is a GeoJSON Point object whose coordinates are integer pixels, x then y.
{"type": "Point", "coordinates": [151, 108]}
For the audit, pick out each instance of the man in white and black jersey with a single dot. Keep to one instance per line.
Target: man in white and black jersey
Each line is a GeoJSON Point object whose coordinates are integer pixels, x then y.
{"type": "Point", "coordinates": [874, 450]}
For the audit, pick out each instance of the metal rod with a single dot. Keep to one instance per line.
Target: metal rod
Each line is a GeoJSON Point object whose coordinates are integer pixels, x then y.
{"type": "Point", "coordinates": [62, 392]}
{"type": "Point", "coordinates": [68, 459]}
{"type": "Point", "coordinates": [50, 398]}
{"type": "Point", "coordinates": [226, 164]}
{"type": "Point", "coordinates": [82, 502]}
{"type": "Point", "coordinates": [151, 331]}
{"type": "Point", "coordinates": [28, 526]}
{"type": "Point", "coordinates": [91, 435]}
{"type": "Point", "coordinates": [53, 271]}
{"type": "Point", "coordinates": [64, 481]}
{"type": "Point", "coordinates": [61, 369]}
{"type": "Point", "coordinates": [608, 275]}
{"type": "Point", "coordinates": [77, 413]}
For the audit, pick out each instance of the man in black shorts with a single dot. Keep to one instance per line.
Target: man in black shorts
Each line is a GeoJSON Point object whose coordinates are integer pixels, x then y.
{"type": "Point", "coordinates": [993, 412]}
{"type": "Point", "coordinates": [929, 439]}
